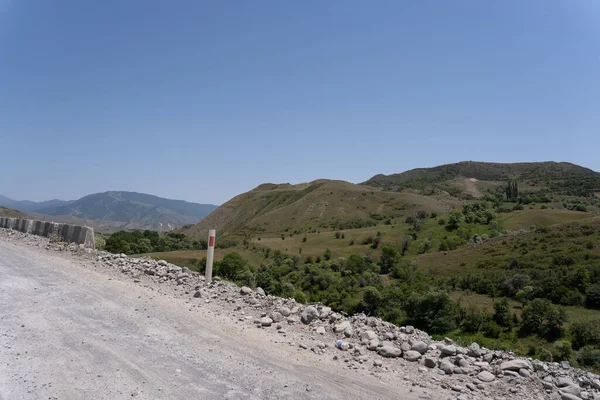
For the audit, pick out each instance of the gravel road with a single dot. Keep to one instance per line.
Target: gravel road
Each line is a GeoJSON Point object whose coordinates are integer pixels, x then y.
{"type": "Point", "coordinates": [68, 331]}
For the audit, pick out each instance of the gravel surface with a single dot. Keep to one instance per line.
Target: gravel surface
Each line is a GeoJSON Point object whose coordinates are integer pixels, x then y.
{"type": "Point", "coordinates": [79, 323]}
{"type": "Point", "coordinates": [71, 330]}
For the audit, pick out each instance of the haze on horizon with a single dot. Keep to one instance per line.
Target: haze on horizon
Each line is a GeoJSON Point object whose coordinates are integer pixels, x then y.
{"type": "Point", "coordinates": [202, 101]}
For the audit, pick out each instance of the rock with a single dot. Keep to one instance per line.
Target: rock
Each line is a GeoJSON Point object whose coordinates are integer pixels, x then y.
{"type": "Point", "coordinates": [419, 346]}
{"type": "Point", "coordinates": [596, 384]}
{"type": "Point", "coordinates": [486, 376]}
{"type": "Point", "coordinates": [447, 367]}
{"type": "Point", "coordinates": [524, 373]}
{"type": "Point", "coordinates": [245, 290]}
{"type": "Point", "coordinates": [320, 330]}
{"type": "Point", "coordinates": [197, 294]}
{"type": "Point", "coordinates": [284, 311]}
{"type": "Point", "coordinates": [348, 332]}
{"type": "Point", "coordinates": [308, 315]}
{"type": "Point", "coordinates": [409, 329]}
{"type": "Point", "coordinates": [457, 388]}
{"type": "Point", "coordinates": [471, 387]}
{"type": "Point", "coordinates": [389, 352]}
{"type": "Point", "coordinates": [369, 335]}
{"type": "Point", "coordinates": [563, 381]}
{"type": "Point", "coordinates": [568, 396]}
{"type": "Point", "coordinates": [515, 365]}
{"type": "Point", "coordinates": [325, 311]}
{"type": "Point", "coordinates": [405, 346]}
{"type": "Point", "coordinates": [260, 291]}
{"type": "Point", "coordinates": [474, 350]}
{"type": "Point", "coordinates": [449, 350]}
{"type": "Point", "coordinates": [276, 316]}
{"type": "Point", "coordinates": [430, 362]}
{"type": "Point", "coordinates": [373, 344]}
{"type": "Point", "coordinates": [266, 321]}
{"type": "Point", "coordinates": [571, 389]}
{"type": "Point", "coordinates": [412, 355]}
{"type": "Point", "coordinates": [341, 327]}
{"type": "Point", "coordinates": [463, 363]}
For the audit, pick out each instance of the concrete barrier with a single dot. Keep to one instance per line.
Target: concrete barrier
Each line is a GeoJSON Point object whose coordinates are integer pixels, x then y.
{"type": "Point", "coordinates": [67, 233]}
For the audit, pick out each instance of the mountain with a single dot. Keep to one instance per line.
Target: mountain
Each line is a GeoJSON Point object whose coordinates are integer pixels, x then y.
{"type": "Point", "coordinates": [130, 207]}
{"type": "Point", "coordinates": [473, 179]}
{"type": "Point", "coordinates": [26, 205]}
{"type": "Point", "coordinates": [278, 208]}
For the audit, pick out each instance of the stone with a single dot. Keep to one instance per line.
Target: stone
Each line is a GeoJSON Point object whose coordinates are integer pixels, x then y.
{"type": "Point", "coordinates": [266, 321]}
{"type": "Point", "coordinates": [284, 311]}
{"type": "Point", "coordinates": [474, 350]}
{"type": "Point", "coordinates": [568, 396]}
{"type": "Point", "coordinates": [430, 362]}
{"type": "Point", "coordinates": [412, 355]}
{"type": "Point", "coordinates": [596, 384]}
{"type": "Point", "coordinates": [563, 381]}
{"type": "Point", "coordinates": [198, 294]}
{"type": "Point", "coordinates": [348, 332]}
{"type": "Point", "coordinates": [524, 373]}
{"type": "Point", "coordinates": [449, 350]}
{"type": "Point", "coordinates": [276, 316]}
{"type": "Point", "coordinates": [463, 363]}
{"type": "Point", "coordinates": [389, 352]}
{"type": "Point", "coordinates": [471, 387]}
{"type": "Point", "coordinates": [369, 335]}
{"type": "Point", "coordinates": [325, 311]}
{"type": "Point", "coordinates": [405, 346]}
{"type": "Point", "coordinates": [245, 290]}
{"type": "Point", "coordinates": [409, 329]}
{"type": "Point", "coordinates": [419, 346]}
{"type": "Point", "coordinates": [457, 388]}
{"type": "Point", "coordinates": [341, 327]}
{"type": "Point", "coordinates": [447, 367]}
{"type": "Point", "coordinates": [320, 330]}
{"type": "Point", "coordinates": [571, 389]}
{"type": "Point", "coordinates": [260, 291]}
{"type": "Point", "coordinates": [486, 376]}
{"type": "Point", "coordinates": [515, 365]}
{"type": "Point", "coordinates": [308, 315]}
{"type": "Point", "coordinates": [373, 344]}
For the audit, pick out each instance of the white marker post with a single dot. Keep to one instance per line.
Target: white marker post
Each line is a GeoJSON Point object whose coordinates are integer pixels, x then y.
{"type": "Point", "coordinates": [210, 255]}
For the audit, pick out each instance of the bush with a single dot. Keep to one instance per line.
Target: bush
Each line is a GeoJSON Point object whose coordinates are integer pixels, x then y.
{"type": "Point", "coordinates": [433, 312]}
{"type": "Point", "coordinates": [543, 354]}
{"type": "Point", "coordinates": [541, 317]}
{"type": "Point", "coordinates": [585, 333]}
{"type": "Point", "coordinates": [563, 351]}
{"type": "Point", "coordinates": [588, 356]}
{"type": "Point", "coordinates": [433, 215]}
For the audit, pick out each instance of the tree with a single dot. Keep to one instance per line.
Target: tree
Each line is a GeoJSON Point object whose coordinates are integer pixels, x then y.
{"type": "Point", "coordinates": [389, 257]}
{"type": "Point", "coordinates": [592, 296]}
{"type": "Point", "coordinates": [543, 318]}
{"type": "Point", "coordinates": [454, 220]}
{"type": "Point", "coordinates": [371, 299]}
{"type": "Point", "coordinates": [327, 254]}
{"type": "Point", "coordinates": [502, 313]}
{"type": "Point", "coordinates": [433, 312]}
{"type": "Point", "coordinates": [585, 333]}
{"type": "Point", "coordinates": [425, 246]}
{"type": "Point", "coordinates": [404, 245]}
{"type": "Point", "coordinates": [512, 190]}
{"type": "Point", "coordinates": [230, 266]}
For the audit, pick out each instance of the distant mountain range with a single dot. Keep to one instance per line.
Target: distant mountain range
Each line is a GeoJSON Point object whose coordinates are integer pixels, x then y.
{"type": "Point", "coordinates": [138, 209]}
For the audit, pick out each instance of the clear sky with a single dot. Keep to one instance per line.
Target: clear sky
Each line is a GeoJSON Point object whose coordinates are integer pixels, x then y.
{"type": "Point", "coordinates": [201, 101]}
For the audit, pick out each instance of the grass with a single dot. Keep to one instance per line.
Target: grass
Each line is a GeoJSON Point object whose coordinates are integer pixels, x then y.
{"type": "Point", "coordinates": [190, 258]}
{"type": "Point", "coordinates": [524, 219]}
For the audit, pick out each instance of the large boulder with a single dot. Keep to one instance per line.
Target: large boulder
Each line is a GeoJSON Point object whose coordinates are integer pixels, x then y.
{"type": "Point", "coordinates": [449, 350]}
{"type": "Point", "coordinates": [389, 351]}
{"type": "Point", "coordinates": [486, 376]}
{"type": "Point", "coordinates": [309, 314]}
{"type": "Point", "coordinates": [412, 355]}
{"type": "Point", "coordinates": [341, 327]}
{"type": "Point", "coordinates": [419, 346]}
{"type": "Point", "coordinates": [447, 367]}
{"type": "Point", "coordinates": [515, 365]}
{"type": "Point", "coordinates": [368, 335]}
{"type": "Point", "coordinates": [245, 290]}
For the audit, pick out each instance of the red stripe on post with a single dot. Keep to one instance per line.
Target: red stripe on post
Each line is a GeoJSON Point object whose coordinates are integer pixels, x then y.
{"type": "Point", "coordinates": [211, 241]}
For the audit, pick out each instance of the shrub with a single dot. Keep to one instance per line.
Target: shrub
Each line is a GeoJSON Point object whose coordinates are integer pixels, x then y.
{"type": "Point", "coordinates": [327, 254]}
{"type": "Point", "coordinates": [543, 354]}
{"type": "Point", "coordinates": [585, 333]}
{"type": "Point", "coordinates": [433, 312]}
{"type": "Point", "coordinates": [563, 351]}
{"type": "Point", "coordinates": [433, 215]}
{"type": "Point", "coordinates": [543, 318]}
{"type": "Point", "coordinates": [588, 356]}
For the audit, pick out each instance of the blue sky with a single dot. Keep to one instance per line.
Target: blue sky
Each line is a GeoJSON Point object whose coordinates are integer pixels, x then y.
{"type": "Point", "coordinates": [201, 100]}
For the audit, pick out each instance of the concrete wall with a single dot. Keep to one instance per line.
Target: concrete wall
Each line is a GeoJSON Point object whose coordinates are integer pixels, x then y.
{"type": "Point", "coordinates": [67, 233]}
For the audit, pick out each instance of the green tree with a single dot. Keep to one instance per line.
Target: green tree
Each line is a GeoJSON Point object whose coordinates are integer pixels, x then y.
{"type": "Point", "coordinates": [404, 245]}
{"type": "Point", "coordinates": [232, 264]}
{"type": "Point", "coordinates": [543, 318]}
{"type": "Point", "coordinates": [327, 254]}
{"type": "Point", "coordinates": [389, 257]}
{"type": "Point", "coordinates": [454, 220]}
{"type": "Point", "coordinates": [585, 333]}
{"type": "Point", "coordinates": [433, 312]}
{"type": "Point", "coordinates": [502, 313]}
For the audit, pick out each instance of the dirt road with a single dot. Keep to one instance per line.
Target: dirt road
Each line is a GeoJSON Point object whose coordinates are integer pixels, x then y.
{"type": "Point", "coordinates": [69, 332]}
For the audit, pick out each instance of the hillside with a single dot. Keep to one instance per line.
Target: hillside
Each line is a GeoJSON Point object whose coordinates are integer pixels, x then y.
{"type": "Point", "coordinates": [474, 179]}
{"type": "Point", "coordinates": [10, 213]}
{"type": "Point", "coordinates": [27, 205]}
{"type": "Point", "coordinates": [321, 204]}
{"type": "Point", "coordinates": [130, 207]}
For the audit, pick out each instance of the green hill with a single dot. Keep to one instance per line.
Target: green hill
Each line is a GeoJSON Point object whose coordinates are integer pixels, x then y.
{"type": "Point", "coordinates": [474, 179]}
{"type": "Point", "coordinates": [306, 207]}
{"type": "Point", "coordinates": [10, 213]}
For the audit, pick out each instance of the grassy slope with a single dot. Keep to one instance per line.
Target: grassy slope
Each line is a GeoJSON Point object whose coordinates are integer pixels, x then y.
{"type": "Point", "coordinates": [10, 213]}
{"type": "Point", "coordinates": [273, 209]}
{"type": "Point", "coordinates": [190, 258]}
